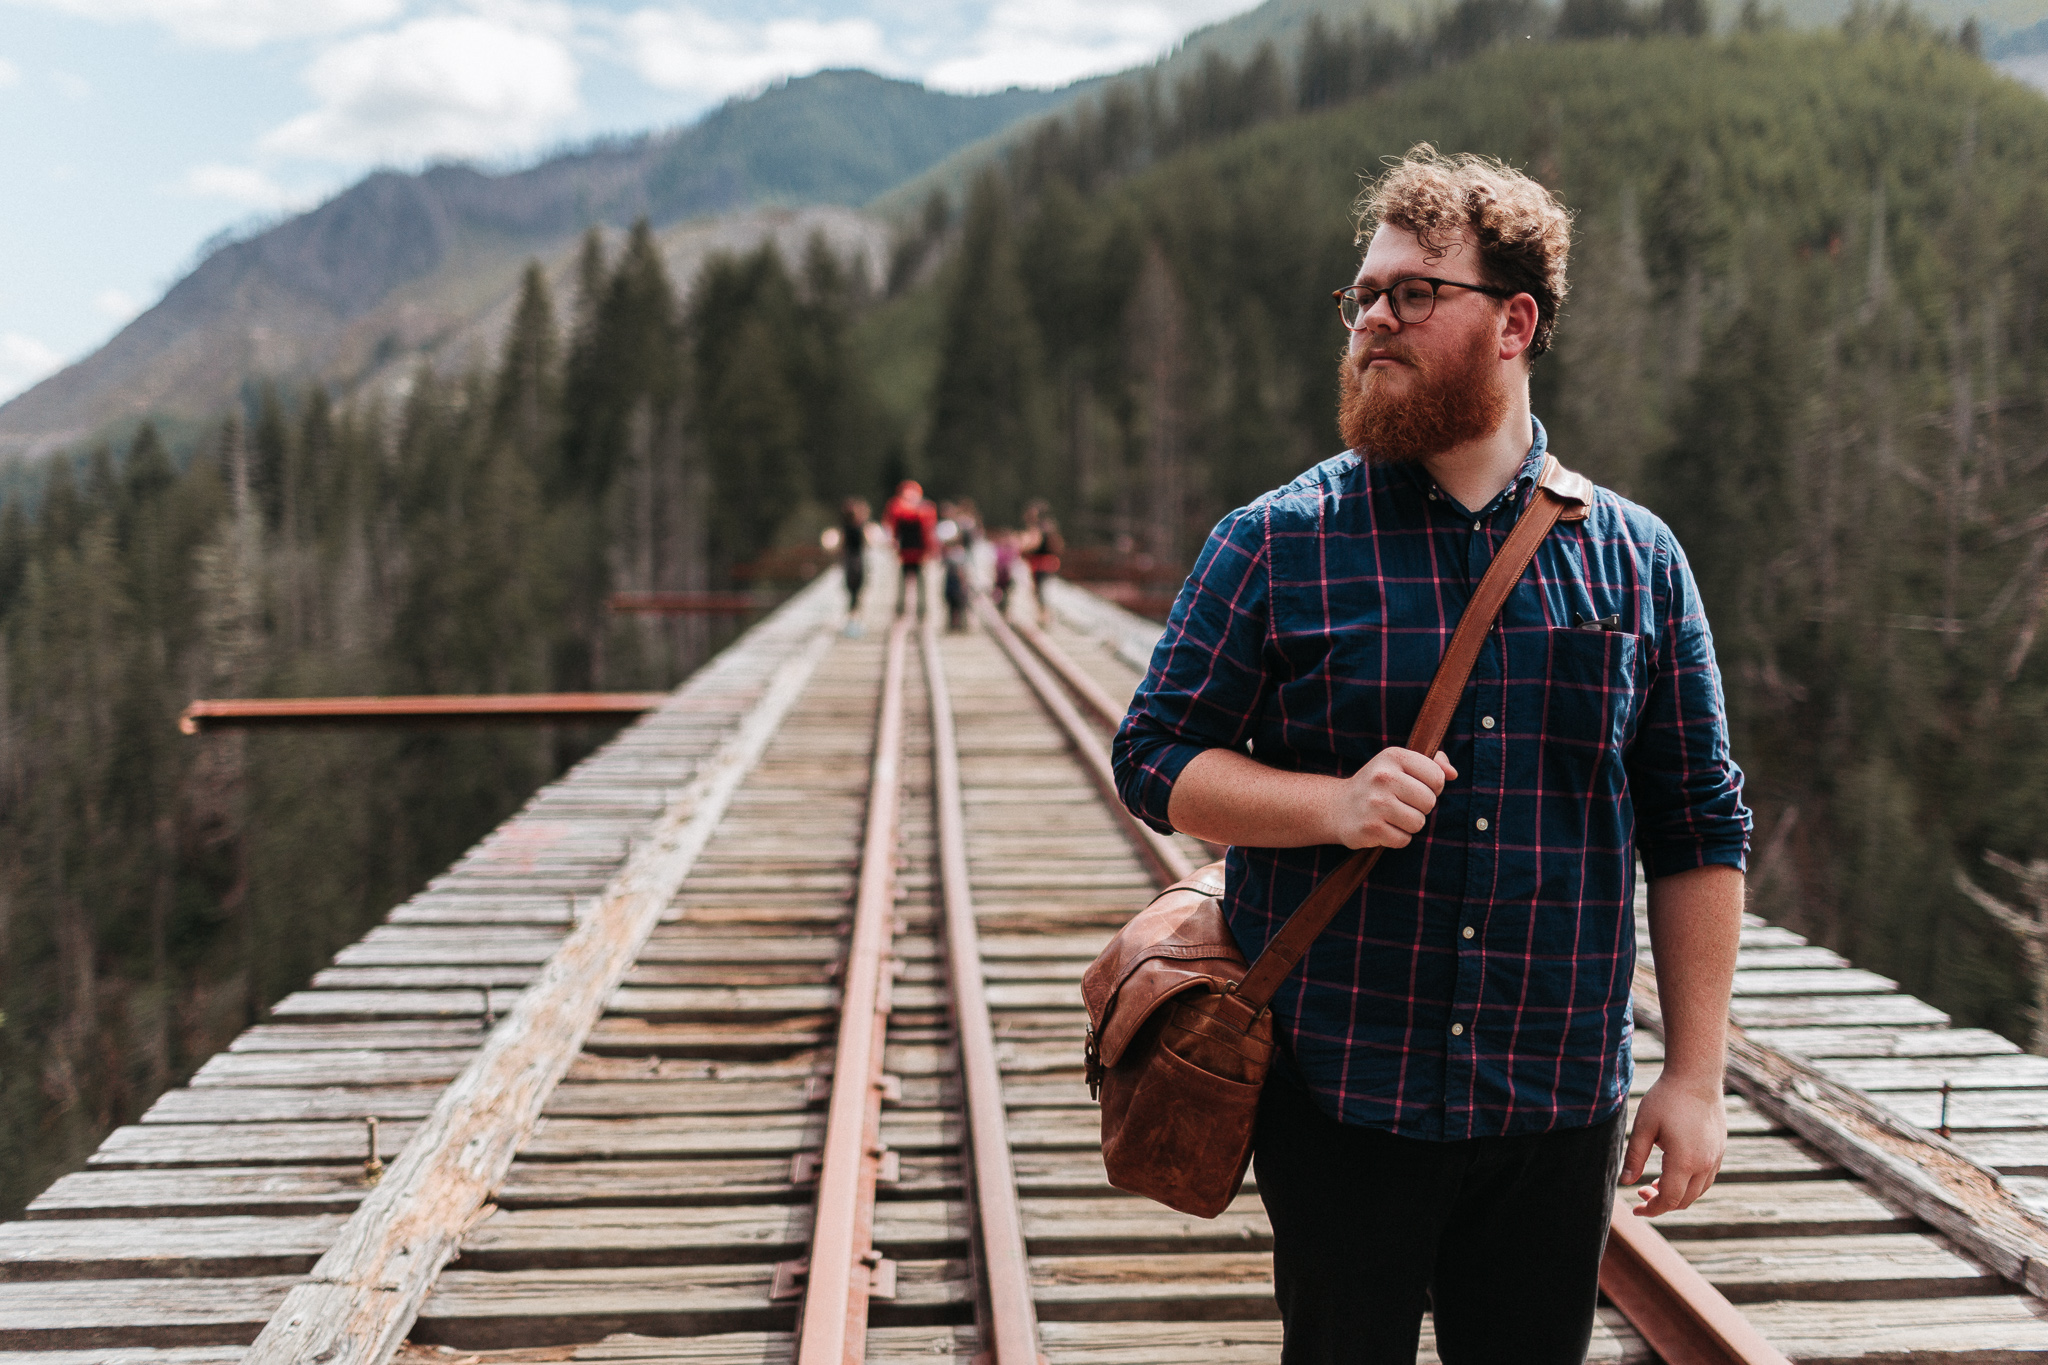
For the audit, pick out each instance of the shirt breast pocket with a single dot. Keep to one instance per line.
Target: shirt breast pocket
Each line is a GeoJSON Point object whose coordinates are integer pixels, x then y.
{"type": "Point", "coordinates": [1590, 693]}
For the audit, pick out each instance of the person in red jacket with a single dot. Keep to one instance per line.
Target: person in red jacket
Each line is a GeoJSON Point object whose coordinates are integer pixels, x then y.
{"type": "Point", "coordinates": [913, 523]}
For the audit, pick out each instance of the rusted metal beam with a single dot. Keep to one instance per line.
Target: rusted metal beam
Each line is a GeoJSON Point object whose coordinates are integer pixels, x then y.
{"type": "Point", "coordinates": [687, 603]}
{"type": "Point", "coordinates": [555, 708]}
{"type": "Point", "coordinates": [844, 1271]}
{"type": "Point", "coordinates": [1161, 854]}
{"type": "Point", "coordinates": [1685, 1320]}
{"type": "Point", "coordinates": [1010, 1337]}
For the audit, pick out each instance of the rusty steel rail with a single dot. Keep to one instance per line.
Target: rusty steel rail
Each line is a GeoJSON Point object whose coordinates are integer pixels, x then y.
{"type": "Point", "coordinates": [552, 708]}
{"type": "Point", "coordinates": [1010, 1336]}
{"type": "Point", "coordinates": [1161, 854]}
{"type": "Point", "coordinates": [691, 603]}
{"type": "Point", "coordinates": [1093, 694]}
{"type": "Point", "coordinates": [1685, 1320]}
{"type": "Point", "coordinates": [844, 1271]}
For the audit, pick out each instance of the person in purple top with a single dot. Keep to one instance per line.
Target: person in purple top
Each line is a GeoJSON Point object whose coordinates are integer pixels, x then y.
{"type": "Point", "coordinates": [1444, 1126]}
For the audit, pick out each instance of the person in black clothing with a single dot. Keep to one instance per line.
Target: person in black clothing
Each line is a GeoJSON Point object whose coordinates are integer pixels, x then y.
{"type": "Point", "coordinates": [853, 557]}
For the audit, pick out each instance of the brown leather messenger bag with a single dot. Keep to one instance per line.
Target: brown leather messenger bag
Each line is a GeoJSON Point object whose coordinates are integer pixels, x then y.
{"type": "Point", "coordinates": [1179, 1035]}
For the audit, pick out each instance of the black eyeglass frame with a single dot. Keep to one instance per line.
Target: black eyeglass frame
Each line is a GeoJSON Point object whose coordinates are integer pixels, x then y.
{"type": "Point", "coordinates": [1351, 294]}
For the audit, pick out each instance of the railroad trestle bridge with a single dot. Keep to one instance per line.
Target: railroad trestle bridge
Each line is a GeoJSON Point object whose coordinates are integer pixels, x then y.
{"type": "Point", "coordinates": [757, 1037]}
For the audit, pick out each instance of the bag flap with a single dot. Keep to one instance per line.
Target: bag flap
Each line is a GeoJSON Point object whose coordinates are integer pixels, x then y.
{"type": "Point", "coordinates": [1177, 943]}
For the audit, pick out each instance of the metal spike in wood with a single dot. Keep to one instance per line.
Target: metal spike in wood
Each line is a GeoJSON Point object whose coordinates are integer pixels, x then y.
{"type": "Point", "coordinates": [366, 1291]}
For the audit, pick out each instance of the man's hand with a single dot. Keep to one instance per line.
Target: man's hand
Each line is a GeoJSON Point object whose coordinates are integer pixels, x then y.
{"type": "Point", "coordinates": [1690, 1125]}
{"type": "Point", "coordinates": [1386, 803]}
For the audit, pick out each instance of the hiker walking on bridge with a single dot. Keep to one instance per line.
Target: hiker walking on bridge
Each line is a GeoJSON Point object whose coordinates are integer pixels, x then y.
{"type": "Point", "coordinates": [913, 523]}
{"type": "Point", "coordinates": [1443, 1125]}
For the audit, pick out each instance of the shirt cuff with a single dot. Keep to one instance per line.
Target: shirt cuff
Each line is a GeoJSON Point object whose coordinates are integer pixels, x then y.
{"type": "Point", "coordinates": [1148, 783]}
{"type": "Point", "coordinates": [1666, 859]}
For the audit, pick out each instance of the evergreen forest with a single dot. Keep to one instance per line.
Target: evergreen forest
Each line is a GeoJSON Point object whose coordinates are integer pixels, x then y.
{"type": "Point", "coordinates": [1808, 325]}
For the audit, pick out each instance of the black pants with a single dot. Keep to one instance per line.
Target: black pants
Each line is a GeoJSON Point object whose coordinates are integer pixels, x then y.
{"type": "Point", "coordinates": [1499, 1237]}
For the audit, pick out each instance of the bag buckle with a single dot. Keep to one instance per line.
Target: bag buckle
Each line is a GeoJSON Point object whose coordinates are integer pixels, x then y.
{"type": "Point", "coordinates": [1091, 1064]}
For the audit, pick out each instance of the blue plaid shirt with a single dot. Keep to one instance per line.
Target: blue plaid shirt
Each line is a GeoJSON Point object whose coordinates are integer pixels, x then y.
{"type": "Point", "coordinates": [1479, 984]}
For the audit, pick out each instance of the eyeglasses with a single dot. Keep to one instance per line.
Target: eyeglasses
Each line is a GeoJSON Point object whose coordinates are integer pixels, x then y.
{"type": "Point", "coordinates": [1412, 299]}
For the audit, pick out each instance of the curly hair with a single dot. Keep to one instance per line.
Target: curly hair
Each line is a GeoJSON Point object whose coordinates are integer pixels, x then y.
{"type": "Point", "coordinates": [1524, 234]}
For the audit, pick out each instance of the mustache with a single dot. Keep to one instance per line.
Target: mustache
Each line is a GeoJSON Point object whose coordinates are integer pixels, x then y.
{"type": "Point", "coordinates": [1389, 349]}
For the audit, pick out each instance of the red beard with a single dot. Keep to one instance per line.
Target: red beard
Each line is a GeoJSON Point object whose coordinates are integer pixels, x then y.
{"type": "Point", "coordinates": [1459, 400]}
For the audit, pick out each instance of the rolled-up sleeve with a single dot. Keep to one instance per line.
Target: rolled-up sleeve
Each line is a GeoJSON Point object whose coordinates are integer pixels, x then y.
{"type": "Point", "coordinates": [1684, 781]}
{"type": "Point", "coordinates": [1207, 677]}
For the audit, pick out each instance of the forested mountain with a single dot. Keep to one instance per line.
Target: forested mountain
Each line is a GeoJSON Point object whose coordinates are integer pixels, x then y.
{"type": "Point", "coordinates": [1806, 327]}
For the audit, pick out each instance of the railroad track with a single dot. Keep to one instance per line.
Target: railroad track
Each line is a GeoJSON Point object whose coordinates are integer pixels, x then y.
{"type": "Point", "coordinates": [822, 1100]}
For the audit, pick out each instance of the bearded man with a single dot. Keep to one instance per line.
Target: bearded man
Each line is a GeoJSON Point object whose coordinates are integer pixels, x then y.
{"type": "Point", "coordinates": [1443, 1128]}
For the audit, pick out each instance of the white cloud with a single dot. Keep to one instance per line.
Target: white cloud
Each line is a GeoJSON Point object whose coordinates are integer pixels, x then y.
{"type": "Point", "coordinates": [453, 86]}
{"type": "Point", "coordinates": [235, 23]}
{"type": "Point", "coordinates": [244, 185]}
{"type": "Point", "coordinates": [71, 87]}
{"type": "Point", "coordinates": [10, 74]}
{"type": "Point", "coordinates": [24, 360]}
{"type": "Point", "coordinates": [681, 48]}
{"type": "Point", "coordinates": [118, 304]}
{"type": "Point", "coordinates": [1051, 42]}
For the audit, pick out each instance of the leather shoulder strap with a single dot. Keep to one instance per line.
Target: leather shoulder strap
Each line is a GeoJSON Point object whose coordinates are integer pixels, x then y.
{"type": "Point", "coordinates": [1560, 496]}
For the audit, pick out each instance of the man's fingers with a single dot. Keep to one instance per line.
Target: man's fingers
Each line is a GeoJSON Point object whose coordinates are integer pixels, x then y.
{"type": "Point", "coordinates": [1406, 818]}
{"type": "Point", "coordinates": [1637, 1155]}
{"type": "Point", "coordinates": [1443, 762]}
{"type": "Point", "coordinates": [1424, 770]}
{"type": "Point", "coordinates": [1414, 795]}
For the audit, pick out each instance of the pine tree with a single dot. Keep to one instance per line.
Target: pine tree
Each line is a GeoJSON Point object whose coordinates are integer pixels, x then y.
{"type": "Point", "coordinates": [990, 434]}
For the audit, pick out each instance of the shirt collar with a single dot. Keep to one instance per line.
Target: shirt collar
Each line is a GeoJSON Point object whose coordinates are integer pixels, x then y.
{"type": "Point", "coordinates": [1525, 478]}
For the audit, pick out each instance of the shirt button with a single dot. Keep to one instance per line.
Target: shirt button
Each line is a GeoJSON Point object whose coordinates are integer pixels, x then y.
{"type": "Point", "coordinates": [1457, 1030]}
{"type": "Point", "coordinates": [1480, 823]}
{"type": "Point", "coordinates": [1486, 722]}
{"type": "Point", "coordinates": [1475, 525]}
{"type": "Point", "coordinates": [1468, 931]}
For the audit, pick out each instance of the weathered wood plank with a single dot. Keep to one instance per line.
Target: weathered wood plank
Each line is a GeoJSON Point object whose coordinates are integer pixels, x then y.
{"type": "Point", "coordinates": [138, 1248]}
{"type": "Point", "coordinates": [245, 1144]}
{"type": "Point", "coordinates": [1974, 1330]}
{"type": "Point", "coordinates": [1825, 982]}
{"type": "Point", "coordinates": [271, 1191]}
{"type": "Point", "coordinates": [1883, 1266]}
{"type": "Point", "coordinates": [1821, 1043]}
{"type": "Point", "coordinates": [1882, 1074]}
{"type": "Point", "coordinates": [1897, 1010]}
{"type": "Point", "coordinates": [84, 1314]}
{"type": "Point", "coordinates": [1819, 1208]}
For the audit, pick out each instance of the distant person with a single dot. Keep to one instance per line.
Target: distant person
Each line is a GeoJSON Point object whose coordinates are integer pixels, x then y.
{"type": "Point", "coordinates": [956, 582]}
{"type": "Point", "coordinates": [968, 517]}
{"type": "Point", "coordinates": [853, 557]}
{"type": "Point", "coordinates": [1042, 545]}
{"type": "Point", "coordinates": [1443, 1125]}
{"type": "Point", "coordinates": [913, 523]}
{"type": "Point", "coordinates": [1009, 563]}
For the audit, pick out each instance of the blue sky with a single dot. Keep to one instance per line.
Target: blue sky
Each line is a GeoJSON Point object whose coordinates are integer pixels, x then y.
{"type": "Point", "coordinates": [132, 131]}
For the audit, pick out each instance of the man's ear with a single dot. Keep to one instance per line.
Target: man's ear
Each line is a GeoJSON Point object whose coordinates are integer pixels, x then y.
{"type": "Point", "coordinates": [1518, 327]}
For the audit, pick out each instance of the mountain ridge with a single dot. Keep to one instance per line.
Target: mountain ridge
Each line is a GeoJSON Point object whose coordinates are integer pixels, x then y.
{"type": "Point", "coordinates": [276, 304]}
